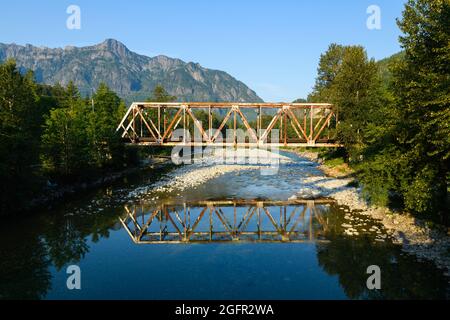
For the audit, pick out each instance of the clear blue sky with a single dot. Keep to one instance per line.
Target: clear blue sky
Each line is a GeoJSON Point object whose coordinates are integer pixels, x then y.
{"type": "Point", "coordinates": [272, 46]}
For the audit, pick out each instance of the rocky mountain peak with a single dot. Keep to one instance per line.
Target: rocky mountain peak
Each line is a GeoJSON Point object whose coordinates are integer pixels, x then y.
{"type": "Point", "coordinates": [131, 75]}
{"type": "Point", "coordinates": [113, 46]}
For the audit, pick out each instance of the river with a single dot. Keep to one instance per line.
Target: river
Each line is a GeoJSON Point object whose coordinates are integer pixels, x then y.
{"type": "Point", "coordinates": [237, 235]}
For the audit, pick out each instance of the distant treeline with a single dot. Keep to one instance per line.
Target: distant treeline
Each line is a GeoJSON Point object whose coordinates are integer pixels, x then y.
{"type": "Point", "coordinates": [395, 115]}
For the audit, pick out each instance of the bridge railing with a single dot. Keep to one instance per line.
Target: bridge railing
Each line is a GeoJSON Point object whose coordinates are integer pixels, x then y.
{"type": "Point", "coordinates": [205, 124]}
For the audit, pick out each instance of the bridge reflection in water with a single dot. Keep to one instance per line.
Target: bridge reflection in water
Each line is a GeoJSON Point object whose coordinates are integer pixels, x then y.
{"type": "Point", "coordinates": [228, 221]}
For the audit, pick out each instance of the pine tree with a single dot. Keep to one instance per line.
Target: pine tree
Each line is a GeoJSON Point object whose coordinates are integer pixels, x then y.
{"type": "Point", "coordinates": [18, 143]}
{"type": "Point", "coordinates": [64, 140]}
{"type": "Point", "coordinates": [161, 95]}
{"type": "Point", "coordinates": [106, 112]}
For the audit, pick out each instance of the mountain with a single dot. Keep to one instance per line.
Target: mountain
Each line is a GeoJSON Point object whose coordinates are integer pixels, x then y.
{"type": "Point", "coordinates": [132, 76]}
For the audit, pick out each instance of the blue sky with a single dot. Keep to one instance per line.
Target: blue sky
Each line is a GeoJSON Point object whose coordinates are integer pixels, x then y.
{"type": "Point", "coordinates": [272, 46]}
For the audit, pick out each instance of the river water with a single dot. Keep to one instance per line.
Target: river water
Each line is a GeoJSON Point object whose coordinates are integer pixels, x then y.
{"type": "Point", "coordinates": [235, 236]}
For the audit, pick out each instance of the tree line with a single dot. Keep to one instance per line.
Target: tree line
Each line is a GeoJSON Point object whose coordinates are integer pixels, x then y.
{"type": "Point", "coordinates": [396, 128]}
{"type": "Point", "coordinates": [51, 134]}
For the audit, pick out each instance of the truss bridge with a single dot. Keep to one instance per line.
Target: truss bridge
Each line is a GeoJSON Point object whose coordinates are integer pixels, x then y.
{"type": "Point", "coordinates": [230, 124]}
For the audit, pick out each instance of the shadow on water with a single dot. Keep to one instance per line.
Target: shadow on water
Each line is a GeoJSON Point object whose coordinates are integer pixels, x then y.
{"type": "Point", "coordinates": [403, 276]}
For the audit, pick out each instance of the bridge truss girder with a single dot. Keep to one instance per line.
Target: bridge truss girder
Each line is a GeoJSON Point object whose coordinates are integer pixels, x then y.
{"type": "Point", "coordinates": [153, 124]}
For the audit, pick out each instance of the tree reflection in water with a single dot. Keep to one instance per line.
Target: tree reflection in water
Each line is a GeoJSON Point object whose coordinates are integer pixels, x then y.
{"type": "Point", "coordinates": [402, 276]}
{"type": "Point", "coordinates": [24, 264]}
{"type": "Point", "coordinates": [32, 246]}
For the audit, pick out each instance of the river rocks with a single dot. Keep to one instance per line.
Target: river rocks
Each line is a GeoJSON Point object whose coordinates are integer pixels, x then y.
{"type": "Point", "coordinates": [191, 177]}
{"type": "Point", "coordinates": [411, 233]}
{"type": "Point", "coordinates": [218, 163]}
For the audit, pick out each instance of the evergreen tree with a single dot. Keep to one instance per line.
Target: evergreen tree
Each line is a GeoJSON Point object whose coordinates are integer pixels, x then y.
{"type": "Point", "coordinates": [18, 143]}
{"type": "Point", "coordinates": [106, 112]}
{"type": "Point", "coordinates": [422, 90]}
{"type": "Point", "coordinates": [64, 141]}
{"type": "Point", "coordinates": [161, 95]}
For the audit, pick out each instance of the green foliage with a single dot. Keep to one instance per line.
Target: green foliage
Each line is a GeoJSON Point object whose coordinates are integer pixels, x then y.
{"type": "Point", "coordinates": [395, 115]}
{"type": "Point", "coordinates": [422, 99]}
{"type": "Point", "coordinates": [107, 111]}
{"type": "Point", "coordinates": [349, 80]}
{"type": "Point", "coordinates": [385, 67]}
{"type": "Point", "coordinates": [160, 95]}
{"type": "Point", "coordinates": [335, 162]}
{"type": "Point", "coordinates": [53, 133]}
{"type": "Point", "coordinates": [378, 175]}
{"type": "Point", "coordinates": [19, 123]}
{"type": "Point", "coordinates": [64, 141]}
{"type": "Point", "coordinates": [329, 66]}
{"type": "Point", "coordinates": [80, 137]}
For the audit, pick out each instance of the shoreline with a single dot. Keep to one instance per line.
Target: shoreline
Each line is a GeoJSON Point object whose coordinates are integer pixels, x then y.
{"type": "Point", "coordinates": [54, 196]}
{"type": "Point", "coordinates": [411, 233]}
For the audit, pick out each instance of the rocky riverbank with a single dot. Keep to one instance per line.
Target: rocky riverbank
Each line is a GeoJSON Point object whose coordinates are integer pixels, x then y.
{"type": "Point", "coordinates": [55, 194]}
{"type": "Point", "coordinates": [412, 234]}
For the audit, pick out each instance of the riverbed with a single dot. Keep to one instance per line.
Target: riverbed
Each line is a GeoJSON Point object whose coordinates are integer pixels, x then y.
{"type": "Point", "coordinates": [212, 231]}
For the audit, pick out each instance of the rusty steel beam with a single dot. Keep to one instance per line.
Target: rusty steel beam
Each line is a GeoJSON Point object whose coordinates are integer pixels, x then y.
{"type": "Point", "coordinates": [205, 105]}
{"type": "Point", "coordinates": [319, 115]}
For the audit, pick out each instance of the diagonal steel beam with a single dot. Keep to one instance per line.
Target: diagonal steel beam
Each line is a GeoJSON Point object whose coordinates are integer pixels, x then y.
{"type": "Point", "coordinates": [146, 124]}
{"type": "Point", "coordinates": [172, 123]}
{"type": "Point", "coordinates": [246, 124]}
{"type": "Point", "coordinates": [296, 122]}
{"type": "Point", "coordinates": [271, 125]}
{"type": "Point", "coordinates": [198, 125]}
{"type": "Point", "coordinates": [323, 126]}
{"type": "Point", "coordinates": [224, 122]}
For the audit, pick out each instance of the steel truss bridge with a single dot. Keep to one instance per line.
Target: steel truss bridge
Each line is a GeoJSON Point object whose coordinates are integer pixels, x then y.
{"type": "Point", "coordinates": [297, 124]}
{"type": "Point", "coordinates": [228, 221]}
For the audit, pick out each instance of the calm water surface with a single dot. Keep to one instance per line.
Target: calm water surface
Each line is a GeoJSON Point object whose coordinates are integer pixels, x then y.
{"type": "Point", "coordinates": [259, 247]}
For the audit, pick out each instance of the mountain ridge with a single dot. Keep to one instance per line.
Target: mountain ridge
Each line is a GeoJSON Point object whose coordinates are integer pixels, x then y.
{"type": "Point", "coordinates": [133, 76]}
